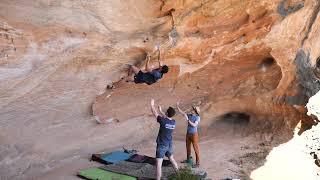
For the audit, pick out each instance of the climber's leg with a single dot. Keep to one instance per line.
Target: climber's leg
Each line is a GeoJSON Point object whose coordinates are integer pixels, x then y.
{"type": "Point", "coordinates": [129, 79]}
{"type": "Point", "coordinates": [133, 70]}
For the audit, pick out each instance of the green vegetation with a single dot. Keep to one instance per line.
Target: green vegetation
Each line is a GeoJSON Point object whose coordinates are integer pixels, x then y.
{"type": "Point", "coordinates": [184, 173]}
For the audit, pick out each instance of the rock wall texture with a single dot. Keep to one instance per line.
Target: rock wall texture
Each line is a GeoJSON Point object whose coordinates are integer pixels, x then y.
{"type": "Point", "coordinates": [252, 57]}
{"type": "Point", "coordinates": [299, 157]}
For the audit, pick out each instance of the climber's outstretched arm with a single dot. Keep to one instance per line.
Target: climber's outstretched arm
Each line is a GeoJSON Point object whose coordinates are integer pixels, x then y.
{"type": "Point", "coordinates": [159, 58]}
{"type": "Point", "coordinates": [148, 69]}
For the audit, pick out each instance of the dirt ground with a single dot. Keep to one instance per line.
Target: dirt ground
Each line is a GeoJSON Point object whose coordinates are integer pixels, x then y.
{"type": "Point", "coordinates": [230, 154]}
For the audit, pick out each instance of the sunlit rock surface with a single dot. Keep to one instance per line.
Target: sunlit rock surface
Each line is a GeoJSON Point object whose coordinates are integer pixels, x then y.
{"type": "Point", "coordinates": [250, 65]}
{"type": "Point", "coordinates": [298, 158]}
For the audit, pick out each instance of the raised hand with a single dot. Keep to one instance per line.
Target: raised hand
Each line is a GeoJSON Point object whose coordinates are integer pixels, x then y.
{"type": "Point", "coordinates": [157, 47]}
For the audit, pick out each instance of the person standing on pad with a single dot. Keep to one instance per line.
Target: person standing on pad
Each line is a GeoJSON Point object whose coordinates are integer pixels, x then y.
{"type": "Point", "coordinates": [164, 138]}
{"type": "Point", "coordinates": [149, 75]}
{"type": "Point", "coordinates": [192, 136]}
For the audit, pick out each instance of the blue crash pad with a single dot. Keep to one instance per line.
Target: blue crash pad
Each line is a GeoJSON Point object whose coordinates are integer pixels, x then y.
{"type": "Point", "coordinates": [115, 156]}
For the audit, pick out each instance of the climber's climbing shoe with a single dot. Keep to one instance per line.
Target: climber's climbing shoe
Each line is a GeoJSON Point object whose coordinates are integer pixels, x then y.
{"type": "Point", "coordinates": [110, 86]}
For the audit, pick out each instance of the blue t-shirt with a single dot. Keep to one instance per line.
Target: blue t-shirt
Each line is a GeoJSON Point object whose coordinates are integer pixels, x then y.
{"type": "Point", "coordinates": [193, 118]}
{"type": "Point", "coordinates": [157, 74]}
{"type": "Point", "coordinates": [149, 77]}
{"type": "Point", "coordinates": [165, 131]}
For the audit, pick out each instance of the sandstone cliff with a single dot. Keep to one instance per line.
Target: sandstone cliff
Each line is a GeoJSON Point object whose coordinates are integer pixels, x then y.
{"type": "Point", "coordinates": [251, 61]}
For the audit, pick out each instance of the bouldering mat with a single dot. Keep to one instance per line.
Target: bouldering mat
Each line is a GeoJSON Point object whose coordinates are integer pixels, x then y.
{"type": "Point", "coordinates": [100, 174]}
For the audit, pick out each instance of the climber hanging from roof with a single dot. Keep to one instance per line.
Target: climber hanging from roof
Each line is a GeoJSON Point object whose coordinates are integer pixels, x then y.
{"type": "Point", "coordinates": [149, 75]}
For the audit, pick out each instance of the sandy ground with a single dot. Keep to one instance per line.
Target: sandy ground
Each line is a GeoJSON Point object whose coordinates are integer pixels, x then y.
{"type": "Point", "coordinates": [230, 155]}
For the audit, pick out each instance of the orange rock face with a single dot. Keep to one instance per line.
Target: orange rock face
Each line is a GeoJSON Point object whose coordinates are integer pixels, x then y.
{"type": "Point", "coordinates": [248, 60]}
{"type": "Point", "coordinates": [242, 50]}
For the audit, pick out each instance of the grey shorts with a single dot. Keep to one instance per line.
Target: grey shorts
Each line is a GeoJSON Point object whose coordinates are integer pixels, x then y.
{"type": "Point", "coordinates": [163, 150]}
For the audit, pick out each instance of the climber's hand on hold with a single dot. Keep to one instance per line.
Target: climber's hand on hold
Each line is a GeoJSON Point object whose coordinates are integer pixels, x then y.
{"type": "Point", "coordinates": [157, 47]}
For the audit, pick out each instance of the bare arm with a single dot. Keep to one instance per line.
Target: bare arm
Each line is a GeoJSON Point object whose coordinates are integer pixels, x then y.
{"type": "Point", "coordinates": [147, 64]}
{"type": "Point", "coordinates": [161, 112]}
{"type": "Point", "coordinates": [153, 109]}
{"type": "Point", "coordinates": [193, 124]}
{"type": "Point", "coordinates": [182, 112]}
{"type": "Point", "coordinates": [159, 61]}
